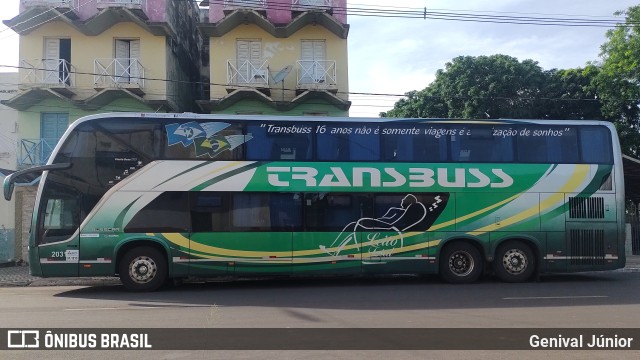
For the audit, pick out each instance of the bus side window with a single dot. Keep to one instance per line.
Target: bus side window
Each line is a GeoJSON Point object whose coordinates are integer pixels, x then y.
{"type": "Point", "coordinates": [334, 211]}
{"type": "Point", "coordinates": [364, 147]}
{"type": "Point", "coordinates": [399, 142]}
{"type": "Point", "coordinates": [479, 144]}
{"type": "Point", "coordinates": [286, 211]}
{"type": "Point", "coordinates": [260, 145]}
{"type": "Point", "coordinates": [595, 143]}
{"type": "Point", "coordinates": [265, 212]}
{"type": "Point", "coordinates": [331, 146]}
{"type": "Point", "coordinates": [277, 146]}
{"type": "Point", "coordinates": [430, 149]}
{"type": "Point", "coordinates": [398, 147]}
{"type": "Point", "coordinates": [209, 212]}
{"type": "Point", "coordinates": [168, 212]}
{"type": "Point", "coordinates": [563, 149]}
{"type": "Point", "coordinates": [61, 219]}
{"type": "Point", "coordinates": [532, 149]}
{"type": "Point", "coordinates": [552, 144]}
{"type": "Point", "coordinates": [342, 143]}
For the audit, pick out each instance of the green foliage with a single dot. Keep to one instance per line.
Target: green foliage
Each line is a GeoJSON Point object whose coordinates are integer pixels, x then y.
{"type": "Point", "coordinates": [500, 86]}
{"type": "Point", "coordinates": [618, 83]}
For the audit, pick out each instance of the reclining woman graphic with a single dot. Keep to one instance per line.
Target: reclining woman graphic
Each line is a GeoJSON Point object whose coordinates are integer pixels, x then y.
{"type": "Point", "coordinates": [410, 216]}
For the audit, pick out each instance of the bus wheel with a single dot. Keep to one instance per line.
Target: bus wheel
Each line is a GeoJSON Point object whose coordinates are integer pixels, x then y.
{"type": "Point", "coordinates": [460, 263]}
{"type": "Point", "coordinates": [514, 262]}
{"type": "Point", "coordinates": [143, 269]}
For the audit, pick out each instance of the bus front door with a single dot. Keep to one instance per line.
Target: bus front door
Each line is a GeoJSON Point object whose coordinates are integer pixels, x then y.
{"type": "Point", "coordinates": [57, 237]}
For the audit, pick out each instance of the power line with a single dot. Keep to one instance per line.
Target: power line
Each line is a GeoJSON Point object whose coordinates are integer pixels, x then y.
{"type": "Point", "coordinates": [433, 14]}
{"type": "Point", "coordinates": [352, 93]}
{"type": "Point", "coordinates": [461, 15]}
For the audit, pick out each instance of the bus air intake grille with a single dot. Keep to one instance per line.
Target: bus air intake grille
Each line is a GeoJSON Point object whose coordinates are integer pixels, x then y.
{"type": "Point", "coordinates": [587, 247]}
{"type": "Point", "coordinates": [586, 207]}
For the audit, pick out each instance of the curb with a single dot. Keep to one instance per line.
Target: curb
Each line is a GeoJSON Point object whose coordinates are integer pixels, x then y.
{"type": "Point", "coordinates": [8, 264]}
{"type": "Point", "coordinates": [74, 282]}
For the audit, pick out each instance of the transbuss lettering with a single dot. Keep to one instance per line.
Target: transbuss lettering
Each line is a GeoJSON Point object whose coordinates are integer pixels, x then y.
{"type": "Point", "coordinates": [416, 177]}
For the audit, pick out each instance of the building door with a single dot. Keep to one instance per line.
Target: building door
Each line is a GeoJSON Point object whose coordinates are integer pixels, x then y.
{"type": "Point", "coordinates": [52, 126]}
{"type": "Point", "coordinates": [57, 60]}
{"type": "Point", "coordinates": [127, 61]}
{"type": "Point", "coordinates": [313, 63]}
{"type": "Point", "coordinates": [249, 61]}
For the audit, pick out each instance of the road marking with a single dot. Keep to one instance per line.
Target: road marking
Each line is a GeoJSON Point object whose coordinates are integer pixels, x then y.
{"type": "Point", "coordinates": [143, 307]}
{"type": "Point", "coordinates": [116, 308]}
{"type": "Point", "coordinates": [555, 297]}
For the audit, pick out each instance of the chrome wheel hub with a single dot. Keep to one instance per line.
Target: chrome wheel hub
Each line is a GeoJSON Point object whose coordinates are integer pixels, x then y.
{"type": "Point", "coordinates": [515, 261]}
{"type": "Point", "coordinates": [142, 269]}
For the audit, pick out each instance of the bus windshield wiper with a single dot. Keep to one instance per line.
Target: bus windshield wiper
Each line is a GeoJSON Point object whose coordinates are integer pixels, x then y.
{"type": "Point", "coordinates": [10, 180]}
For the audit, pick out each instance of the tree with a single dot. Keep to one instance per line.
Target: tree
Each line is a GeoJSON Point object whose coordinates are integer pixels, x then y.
{"type": "Point", "coordinates": [619, 81]}
{"type": "Point", "coordinates": [500, 86]}
{"type": "Point", "coordinates": [476, 87]}
{"type": "Point", "coordinates": [571, 94]}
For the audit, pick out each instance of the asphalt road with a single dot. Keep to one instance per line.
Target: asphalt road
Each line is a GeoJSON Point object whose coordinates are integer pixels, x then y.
{"type": "Point", "coordinates": [587, 300]}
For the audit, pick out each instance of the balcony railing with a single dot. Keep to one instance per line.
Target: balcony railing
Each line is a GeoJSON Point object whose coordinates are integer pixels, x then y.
{"type": "Point", "coordinates": [118, 72]}
{"type": "Point", "coordinates": [316, 73]}
{"type": "Point", "coordinates": [35, 151]}
{"type": "Point", "coordinates": [240, 4]}
{"type": "Point", "coordinates": [247, 73]}
{"type": "Point", "coordinates": [128, 4]}
{"type": "Point", "coordinates": [48, 72]}
{"type": "Point", "coordinates": [50, 3]}
{"type": "Point", "coordinates": [302, 5]}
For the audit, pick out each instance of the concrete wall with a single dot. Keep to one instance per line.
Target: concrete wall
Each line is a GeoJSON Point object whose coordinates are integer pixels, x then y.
{"type": "Point", "coordinates": [30, 120]}
{"type": "Point", "coordinates": [8, 143]}
{"type": "Point", "coordinates": [25, 199]}
{"type": "Point", "coordinates": [8, 121]}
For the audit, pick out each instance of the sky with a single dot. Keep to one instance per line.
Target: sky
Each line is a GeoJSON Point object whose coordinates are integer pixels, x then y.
{"type": "Point", "coordinates": [397, 55]}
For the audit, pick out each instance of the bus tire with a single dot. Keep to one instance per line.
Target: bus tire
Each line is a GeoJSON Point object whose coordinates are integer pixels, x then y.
{"type": "Point", "coordinates": [143, 268]}
{"type": "Point", "coordinates": [514, 262]}
{"type": "Point", "coordinates": [460, 263]}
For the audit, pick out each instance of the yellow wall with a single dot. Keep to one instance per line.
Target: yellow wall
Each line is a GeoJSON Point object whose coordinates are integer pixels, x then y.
{"type": "Point", "coordinates": [85, 49]}
{"type": "Point", "coordinates": [29, 120]}
{"type": "Point", "coordinates": [278, 52]}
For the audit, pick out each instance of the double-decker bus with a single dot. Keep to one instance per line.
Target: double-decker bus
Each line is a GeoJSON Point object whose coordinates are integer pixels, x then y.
{"type": "Point", "coordinates": [152, 197]}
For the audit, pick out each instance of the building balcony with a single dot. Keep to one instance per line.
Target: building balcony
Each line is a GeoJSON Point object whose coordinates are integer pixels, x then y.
{"type": "Point", "coordinates": [33, 152]}
{"type": "Point", "coordinates": [306, 5]}
{"type": "Point", "coordinates": [34, 13]}
{"type": "Point", "coordinates": [56, 74]}
{"type": "Point", "coordinates": [230, 5]}
{"type": "Point", "coordinates": [247, 74]}
{"type": "Point", "coordinates": [102, 15]}
{"type": "Point", "coordinates": [316, 75]}
{"type": "Point", "coordinates": [128, 4]}
{"type": "Point", "coordinates": [122, 73]}
{"type": "Point", "coordinates": [280, 22]}
{"type": "Point", "coordinates": [56, 4]}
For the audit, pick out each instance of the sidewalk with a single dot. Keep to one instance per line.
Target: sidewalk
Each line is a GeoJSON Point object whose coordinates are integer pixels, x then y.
{"type": "Point", "coordinates": [12, 275]}
{"type": "Point", "coordinates": [18, 275]}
